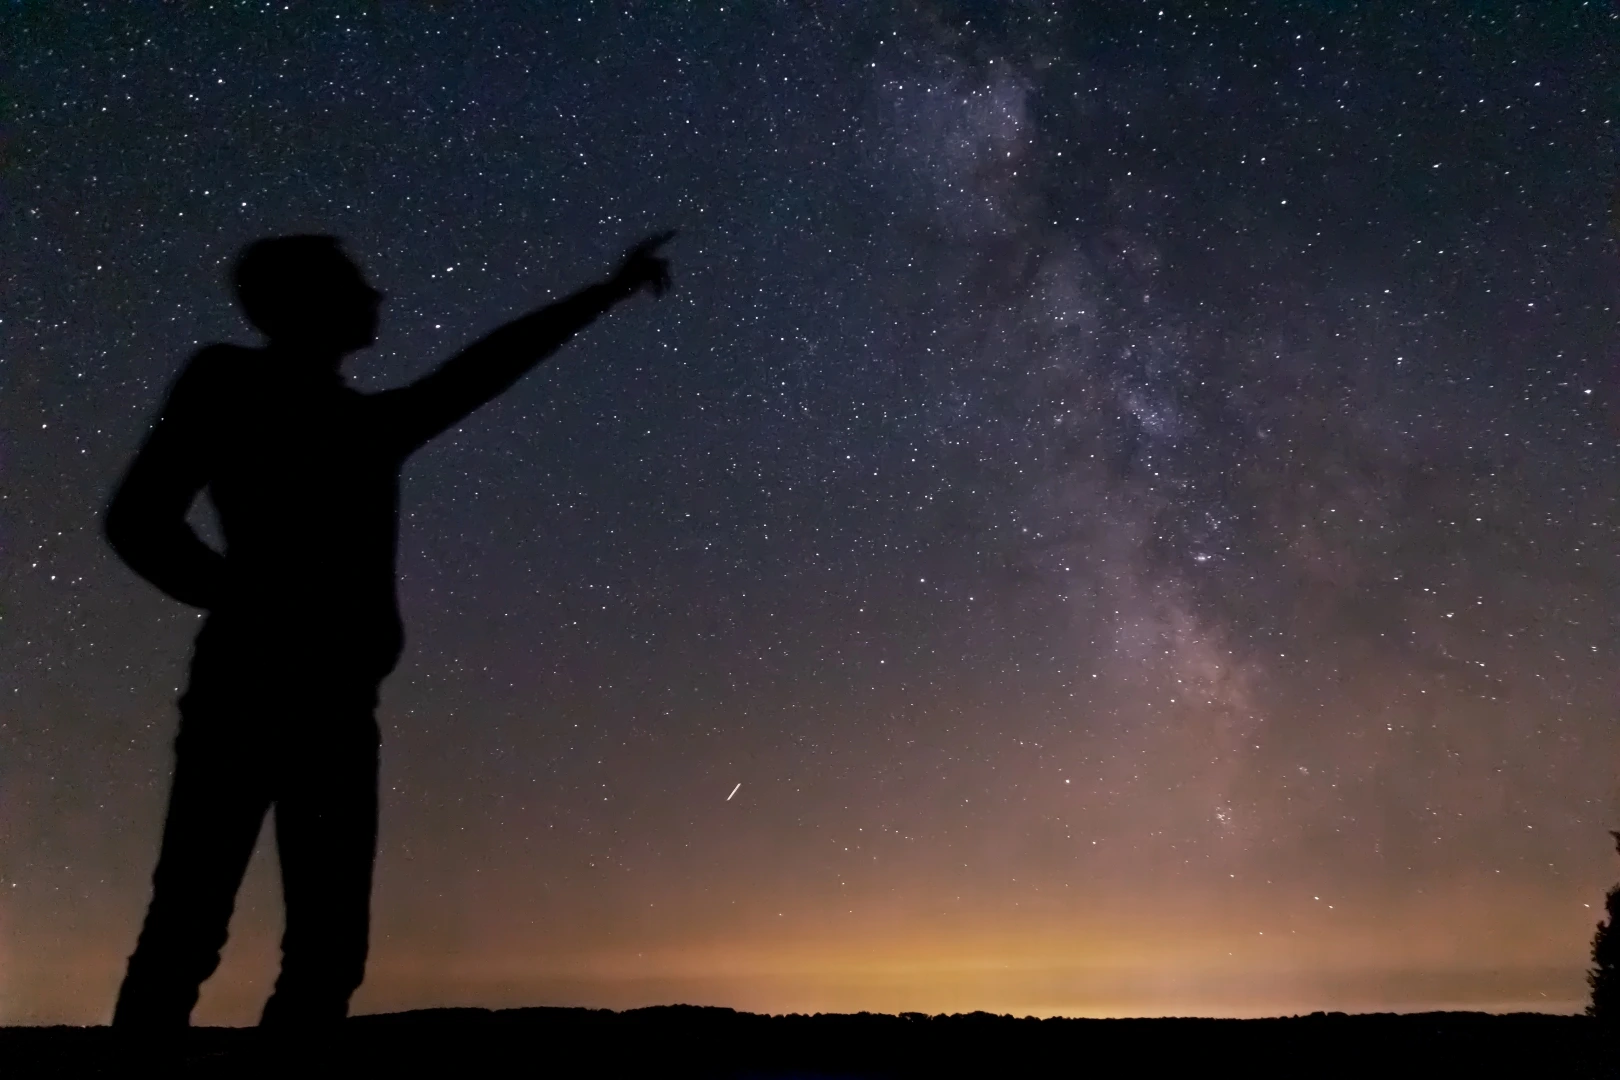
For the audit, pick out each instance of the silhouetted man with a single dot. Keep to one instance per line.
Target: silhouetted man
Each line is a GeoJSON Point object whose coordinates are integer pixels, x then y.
{"type": "Point", "coordinates": [302, 621]}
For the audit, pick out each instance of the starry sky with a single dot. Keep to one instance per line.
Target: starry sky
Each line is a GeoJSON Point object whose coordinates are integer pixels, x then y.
{"type": "Point", "coordinates": [1128, 491]}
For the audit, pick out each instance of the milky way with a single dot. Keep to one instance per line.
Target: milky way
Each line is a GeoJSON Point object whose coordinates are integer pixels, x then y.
{"type": "Point", "coordinates": [1130, 496]}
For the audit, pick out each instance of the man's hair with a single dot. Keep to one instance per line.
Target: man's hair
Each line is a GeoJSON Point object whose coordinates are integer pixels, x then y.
{"type": "Point", "coordinates": [279, 280]}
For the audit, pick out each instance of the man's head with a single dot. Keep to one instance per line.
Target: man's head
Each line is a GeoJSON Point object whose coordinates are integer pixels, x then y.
{"type": "Point", "coordinates": [303, 291]}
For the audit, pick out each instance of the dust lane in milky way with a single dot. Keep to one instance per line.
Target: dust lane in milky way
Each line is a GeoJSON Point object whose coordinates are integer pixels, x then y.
{"type": "Point", "coordinates": [1127, 494]}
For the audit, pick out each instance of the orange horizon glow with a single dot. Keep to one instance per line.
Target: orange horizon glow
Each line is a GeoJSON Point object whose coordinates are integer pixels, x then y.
{"type": "Point", "coordinates": [1441, 955]}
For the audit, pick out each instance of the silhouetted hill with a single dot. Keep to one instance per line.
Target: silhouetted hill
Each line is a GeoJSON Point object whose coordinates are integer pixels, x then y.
{"type": "Point", "coordinates": [683, 1040]}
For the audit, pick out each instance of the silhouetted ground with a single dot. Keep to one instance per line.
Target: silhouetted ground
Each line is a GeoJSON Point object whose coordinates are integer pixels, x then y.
{"type": "Point", "coordinates": [708, 1042]}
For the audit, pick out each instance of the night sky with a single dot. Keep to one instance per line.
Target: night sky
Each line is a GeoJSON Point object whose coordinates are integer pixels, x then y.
{"type": "Point", "coordinates": [1129, 491]}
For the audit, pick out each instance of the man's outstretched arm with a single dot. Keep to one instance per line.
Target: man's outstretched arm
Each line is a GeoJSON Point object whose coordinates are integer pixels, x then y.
{"type": "Point", "coordinates": [487, 367]}
{"type": "Point", "coordinates": [146, 520]}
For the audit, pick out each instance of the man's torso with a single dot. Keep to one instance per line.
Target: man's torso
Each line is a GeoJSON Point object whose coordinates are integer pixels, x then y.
{"type": "Point", "coordinates": [305, 478]}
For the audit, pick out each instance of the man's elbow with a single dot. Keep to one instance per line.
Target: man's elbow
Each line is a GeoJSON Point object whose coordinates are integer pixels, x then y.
{"type": "Point", "coordinates": [123, 527]}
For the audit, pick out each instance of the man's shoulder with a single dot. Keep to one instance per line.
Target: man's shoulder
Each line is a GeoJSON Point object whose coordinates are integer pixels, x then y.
{"type": "Point", "coordinates": [216, 368]}
{"type": "Point", "coordinates": [225, 359]}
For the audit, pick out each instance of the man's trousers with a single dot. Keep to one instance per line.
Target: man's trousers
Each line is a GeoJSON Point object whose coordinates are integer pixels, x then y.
{"type": "Point", "coordinates": [315, 762]}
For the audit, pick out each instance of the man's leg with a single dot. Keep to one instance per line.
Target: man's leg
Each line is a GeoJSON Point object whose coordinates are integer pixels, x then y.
{"type": "Point", "coordinates": [326, 834]}
{"type": "Point", "coordinates": [216, 805]}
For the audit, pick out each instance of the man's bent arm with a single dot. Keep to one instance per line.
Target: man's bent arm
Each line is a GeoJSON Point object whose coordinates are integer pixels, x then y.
{"type": "Point", "coordinates": [489, 366]}
{"type": "Point", "coordinates": [146, 520]}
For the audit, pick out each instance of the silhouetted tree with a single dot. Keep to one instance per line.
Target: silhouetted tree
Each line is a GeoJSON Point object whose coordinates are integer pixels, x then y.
{"type": "Point", "coordinates": [1604, 978]}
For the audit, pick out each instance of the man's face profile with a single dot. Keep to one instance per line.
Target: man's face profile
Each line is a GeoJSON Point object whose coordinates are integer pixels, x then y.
{"type": "Point", "coordinates": [304, 292]}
